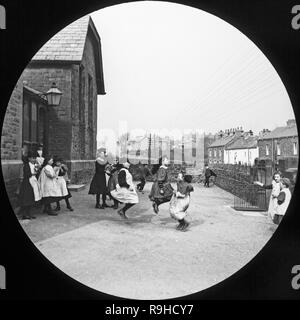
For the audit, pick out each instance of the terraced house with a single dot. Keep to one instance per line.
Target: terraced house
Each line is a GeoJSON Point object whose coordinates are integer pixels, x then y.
{"type": "Point", "coordinates": [243, 150]}
{"type": "Point", "coordinates": [72, 59]}
{"type": "Point", "coordinates": [281, 146]}
{"type": "Point", "coordinates": [216, 150]}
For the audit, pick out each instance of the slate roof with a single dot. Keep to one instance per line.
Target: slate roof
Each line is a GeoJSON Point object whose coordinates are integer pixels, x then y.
{"type": "Point", "coordinates": [66, 45]}
{"type": "Point", "coordinates": [221, 142]}
{"type": "Point", "coordinates": [281, 132]}
{"type": "Point", "coordinates": [244, 143]}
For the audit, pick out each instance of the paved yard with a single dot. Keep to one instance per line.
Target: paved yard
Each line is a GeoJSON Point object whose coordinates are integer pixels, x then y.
{"type": "Point", "coordinates": [145, 257]}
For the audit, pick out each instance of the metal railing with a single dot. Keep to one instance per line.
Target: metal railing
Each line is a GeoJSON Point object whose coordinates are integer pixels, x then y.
{"type": "Point", "coordinates": [249, 197]}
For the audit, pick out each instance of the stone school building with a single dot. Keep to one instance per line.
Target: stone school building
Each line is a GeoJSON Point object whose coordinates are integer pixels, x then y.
{"type": "Point", "coordinates": [72, 60]}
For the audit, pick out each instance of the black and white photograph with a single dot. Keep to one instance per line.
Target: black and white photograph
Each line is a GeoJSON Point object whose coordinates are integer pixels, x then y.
{"type": "Point", "coordinates": [149, 150]}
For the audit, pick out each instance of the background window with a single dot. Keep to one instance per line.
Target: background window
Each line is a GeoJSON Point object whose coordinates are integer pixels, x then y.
{"type": "Point", "coordinates": [295, 152]}
{"type": "Point", "coordinates": [267, 150]}
{"type": "Point", "coordinates": [278, 150]}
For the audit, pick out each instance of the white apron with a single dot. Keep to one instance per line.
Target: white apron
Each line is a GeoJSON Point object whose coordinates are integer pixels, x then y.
{"type": "Point", "coordinates": [281, 209]}
{"type": "Point", "coordinates": [34, 183]}
{"type": "Point", "coordinates": [62, 185]}
{"type": "Point", "coordinates": [125, 195]}
{"type": "Point", "coordinates": [48, 183]}
{"type": "Point", "coordinates": [273, 205]}
{"type": "Point", "coordinates": [178, 207]}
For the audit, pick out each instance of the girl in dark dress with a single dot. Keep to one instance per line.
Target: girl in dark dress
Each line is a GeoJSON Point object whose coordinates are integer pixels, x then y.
{"type": "Point", "coordinates": [161, 190]}
{"type": "Point", "coordinates": [27, 197]}
{"type": "Point", "coordinates": [50, 189]}
{"type": "Point", "coordinates": [98, 184]}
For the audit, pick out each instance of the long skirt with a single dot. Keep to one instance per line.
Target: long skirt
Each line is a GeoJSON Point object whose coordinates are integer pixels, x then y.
{"type": "Point", "coordinates": [165, 193]}
{"type": "Point", "coordinates": [273, 205]}
{"type": "Point", "coordinates": [62, 186]}
{"type": "Point", "coordinates": [125, 195]}
{"type": "Point", "coordinates": [98, 184]}
{"type": "Point", "coordinates": [36, 188]}
{"type": "Point", "coordinates": [26, 194]}
{"type": "Point", "coordinates": [179, 206]}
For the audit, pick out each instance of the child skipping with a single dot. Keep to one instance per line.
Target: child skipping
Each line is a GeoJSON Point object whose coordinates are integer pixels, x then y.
{"type": "Point", "coordinates": [181, 201]}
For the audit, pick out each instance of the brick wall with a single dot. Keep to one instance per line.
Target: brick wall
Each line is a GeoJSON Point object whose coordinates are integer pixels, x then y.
{"type": "Point", "coordinates": [286, 146]}
{"type": "Point", "coordinates": [11, 138]}
{"type": "Point", "coordinates": [12, 126]}
{"type": "Point", "coordinates": [90, 132]}
{"type": "Point", "coordinates": [40, 77]}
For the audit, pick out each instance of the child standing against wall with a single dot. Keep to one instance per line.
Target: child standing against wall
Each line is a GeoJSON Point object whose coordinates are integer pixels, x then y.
{"type": "Point", "coordinates": [29, 189]}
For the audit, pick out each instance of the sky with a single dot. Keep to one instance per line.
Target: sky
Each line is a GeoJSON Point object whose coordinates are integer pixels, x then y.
{"type": "Point", "coordinates": [169, 66]}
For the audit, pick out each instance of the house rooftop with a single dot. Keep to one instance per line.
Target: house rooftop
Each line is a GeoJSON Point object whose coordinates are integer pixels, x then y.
{"type": "Point", "coordinates": [221, 142]}
{"type": "Point", "coordinates": [66, 45]}
{"type": "Point", "coordinates": [244, 143]}
{"type": "Point", "coordinates": [281, 132]}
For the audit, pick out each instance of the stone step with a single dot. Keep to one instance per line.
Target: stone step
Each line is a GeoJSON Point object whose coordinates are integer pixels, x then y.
{"type": "Point", "coordinates": [76, 187]}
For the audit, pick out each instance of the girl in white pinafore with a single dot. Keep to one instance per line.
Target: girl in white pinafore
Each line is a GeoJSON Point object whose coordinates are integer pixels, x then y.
{"type": "Point", "coordinates": [125, 191]}
{"type": "Point", "coordinates": [276, 188]}
{"type": "Point", "coordinates": [283, 200]}
{"type": "Point", "coordinates": [50, 190]}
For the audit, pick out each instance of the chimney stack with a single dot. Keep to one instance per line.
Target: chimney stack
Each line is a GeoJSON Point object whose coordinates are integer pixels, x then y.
{"type": "Point", "coordinates": [291, 122]}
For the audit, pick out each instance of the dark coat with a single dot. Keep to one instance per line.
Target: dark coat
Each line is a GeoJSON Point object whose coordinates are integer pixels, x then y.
{"type": "Point", "coordinates": [143, 171]}
{"type": "Point", "coordinates": [112, 181]}
{"type": "Point", "coordinates": [98, 184]}
{"type": "Point", "coordinates": [26, 195]}
{"type": "Point", "coordinates": [161, 188]}
{"type": "Point", "coordinates": [208, 173]}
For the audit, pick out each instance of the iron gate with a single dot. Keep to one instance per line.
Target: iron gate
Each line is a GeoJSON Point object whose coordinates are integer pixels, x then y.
{"type": "Point", "coordinates": [249, 197]}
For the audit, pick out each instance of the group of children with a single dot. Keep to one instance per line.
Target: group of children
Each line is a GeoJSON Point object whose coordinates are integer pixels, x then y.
{"type": "Point", "coordinates": [121, 189]}
{"type": "Point", "coordinates": [44, 182]}
{"type": "Point", "coordinates": [280, 196]}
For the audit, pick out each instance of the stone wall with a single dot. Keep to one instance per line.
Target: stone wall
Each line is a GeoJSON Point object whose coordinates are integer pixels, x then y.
{"type": "Point", "coordinates": [84, 110]}
{"type": "Point", "coordinates": [81, 171]}
{"type": "Point", "coordinates": [12, 171]}
{"type": "Point", "coordinates": [11, 136]}
{"type": "Point", "coordinates": [11, 140]}
{"type": "Point", "coordinates": [40, 77]}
